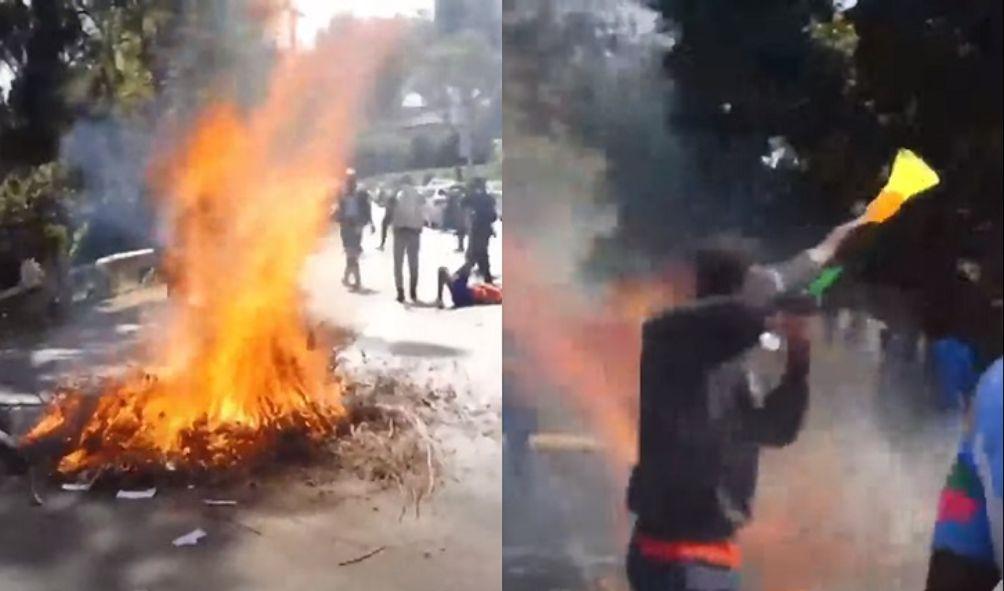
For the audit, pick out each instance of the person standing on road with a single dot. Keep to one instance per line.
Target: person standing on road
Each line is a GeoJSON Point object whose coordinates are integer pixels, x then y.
{"type": "Point", "coordinates": [704, 416]}
{"type": "Point", "coordinates": [456, 216]}
{"type": "Point", "coordinates": [484, 213]}
{"type": "Point", "coordinates": [408, 221]}
{"type": "Point", "coordinates": [388, 217]}
{"type": "Point", "coordinates": [353, 214]}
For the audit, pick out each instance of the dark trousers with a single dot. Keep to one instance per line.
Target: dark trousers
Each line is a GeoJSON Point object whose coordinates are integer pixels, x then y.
{"type": "Point", "coordinates": [477, 252]}
{"type": "Point", "coordinates": [384, 226]}
{"type": "Point", "coordinates": [352, 238]}
{"type": "Point", "coordinates": [648, 575]}
{"type": "Point", "coordinates": [406, 243]}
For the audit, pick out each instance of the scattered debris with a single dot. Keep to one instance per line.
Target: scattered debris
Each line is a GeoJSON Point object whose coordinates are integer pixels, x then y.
{"type": "Point", "coordinates": [227, 518]}
{"type": "Point", "coordinates": [136, 494]}
{"type": "Point", "coordinates": [219, 502]}
{"type": "Point", "coordinates": [82, 486]}
{"type": "Point", "coordinates": [363, 557]}
{"type": "Point", "coordinates": [387, 439]}
{"type": "Point", "coordinates": [191, 538]}
{"type": "Point", "coordinates": [36, 499]}
{"type": "Point", "coordinates": [563, 442]}
{"type": "Point", "coordinates": [76, 486]}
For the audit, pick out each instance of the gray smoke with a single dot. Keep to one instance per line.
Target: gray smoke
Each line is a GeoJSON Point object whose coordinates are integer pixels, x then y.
{"type": "Point", "coordinates": [213, 48]}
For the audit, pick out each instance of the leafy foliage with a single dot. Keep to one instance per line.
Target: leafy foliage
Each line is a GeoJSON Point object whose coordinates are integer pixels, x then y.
{"type": "Point", "coordinates": [685, 124]}
{"type": "Point", "coordinates": [34, 200]}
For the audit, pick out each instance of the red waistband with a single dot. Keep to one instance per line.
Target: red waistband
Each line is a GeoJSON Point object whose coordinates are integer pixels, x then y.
{"type": "Point", "coordinates": [725, 554]}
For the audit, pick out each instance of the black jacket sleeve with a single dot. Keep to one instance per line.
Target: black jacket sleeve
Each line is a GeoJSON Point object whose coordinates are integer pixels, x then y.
{"type": "Point", "coordinates": [706, 332]}
{"type": "Point", "coordinates": [780, 419]}
{"type": "Point", "coordinates": [367, 210]}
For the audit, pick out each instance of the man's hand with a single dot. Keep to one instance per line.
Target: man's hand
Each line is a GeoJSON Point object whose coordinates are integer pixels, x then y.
{"type": "Point", "coordinates": [828, 248]}
{"type": "Point", "coordinates": [793, 327]}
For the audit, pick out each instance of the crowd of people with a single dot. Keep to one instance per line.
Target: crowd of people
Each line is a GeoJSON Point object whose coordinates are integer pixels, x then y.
{"type": "Point", "coordinates": [470, 213]}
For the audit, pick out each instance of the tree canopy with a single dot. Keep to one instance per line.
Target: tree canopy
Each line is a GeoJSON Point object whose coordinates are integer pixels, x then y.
{"type": "Point", "coordinates": [774, 118]}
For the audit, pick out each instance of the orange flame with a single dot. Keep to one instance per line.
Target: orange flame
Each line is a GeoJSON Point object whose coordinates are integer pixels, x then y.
{"type": "Point", "coordinates": [246, 195]}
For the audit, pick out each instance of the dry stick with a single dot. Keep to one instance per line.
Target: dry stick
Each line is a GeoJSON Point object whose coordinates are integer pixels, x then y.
{"type": "Point", "coordinates": [36, 499]}
{"type": "Point", "coordinates": [363, 557]}
{"type": "Point", "coordinates": [236, 523]}
{"type": "Point", "coordinates": [423, 433]}
{"type": "Point", "coordinates": [426, 438]}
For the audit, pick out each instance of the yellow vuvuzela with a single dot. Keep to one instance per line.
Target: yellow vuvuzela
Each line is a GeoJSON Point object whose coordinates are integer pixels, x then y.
{"type": "Point", "coordinates": [910, 176]}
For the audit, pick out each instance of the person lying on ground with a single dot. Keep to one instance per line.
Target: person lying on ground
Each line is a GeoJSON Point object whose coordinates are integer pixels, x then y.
{"type": "Point", "coordinates": [462, 292]}
{"type": "Point", "coordinates": [966, 551]}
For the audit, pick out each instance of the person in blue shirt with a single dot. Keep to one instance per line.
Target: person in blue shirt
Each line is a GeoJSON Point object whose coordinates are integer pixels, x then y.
{"type": "Point", "coordinates": [954, 371]}
{"type": "Point", "coordinates": [966, 551]}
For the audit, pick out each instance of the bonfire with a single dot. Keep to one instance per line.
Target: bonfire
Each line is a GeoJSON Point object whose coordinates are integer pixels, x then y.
{"type": "Point", "coordinates": [246, 195]}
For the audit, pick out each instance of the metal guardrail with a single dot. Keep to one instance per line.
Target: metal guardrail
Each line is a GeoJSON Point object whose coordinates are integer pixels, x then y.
{"type": "Point", "coordinates": [121, 272]}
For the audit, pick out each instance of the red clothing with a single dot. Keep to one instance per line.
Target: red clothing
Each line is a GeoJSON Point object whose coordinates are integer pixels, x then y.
{"type": "Point", "coordinates": [483, 293]}
{"type": "Point", "coordinates": [725, 554]}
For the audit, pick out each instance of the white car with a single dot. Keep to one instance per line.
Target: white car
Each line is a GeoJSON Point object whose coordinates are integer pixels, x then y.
{"type": "Point", "coordinates": [434, 186]}
{"type": "Point", "coordinates": [435, 209]}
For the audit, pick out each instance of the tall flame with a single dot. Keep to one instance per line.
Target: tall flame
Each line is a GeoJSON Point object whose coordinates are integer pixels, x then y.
{"type": "Point", "coordinates": [246, 196]}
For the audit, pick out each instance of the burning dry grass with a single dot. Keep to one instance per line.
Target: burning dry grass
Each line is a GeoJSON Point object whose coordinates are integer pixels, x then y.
{"type": "Point", "coordinates": [246, 195]}
{"type": "Point", "coordinates": [385, 440]}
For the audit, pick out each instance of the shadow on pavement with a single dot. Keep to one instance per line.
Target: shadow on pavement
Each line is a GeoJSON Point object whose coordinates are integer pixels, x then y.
{"type": "Point", "coordinates": [83, 542]}
{"type": "Point", "coordinates": [409, 348]}
{"type": "Point", "coordinates": [94, 339]}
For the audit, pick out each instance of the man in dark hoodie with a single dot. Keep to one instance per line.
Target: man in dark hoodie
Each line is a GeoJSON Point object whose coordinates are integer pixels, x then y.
{"type": "Point", "coordinates": [353, 213]}
{"type": "Point", "coordinates": [484, 213]}
{"type": "Point", "coordinates": [703, 417]}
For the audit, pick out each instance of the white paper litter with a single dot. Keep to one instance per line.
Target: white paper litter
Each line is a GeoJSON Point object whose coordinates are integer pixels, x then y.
{"type": "Point", "coordinates": [191, 538]}
{"type": "Point", "coordinates": [136, 494]}
{"type": "Point", "coordinates": [219, 502]}
{"type": "Point", "coordinates": [76, 486]}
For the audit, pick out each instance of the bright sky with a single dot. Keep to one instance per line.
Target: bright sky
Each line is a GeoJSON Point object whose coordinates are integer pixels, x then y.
{"type": "Point", "coordinates": [316, 14]}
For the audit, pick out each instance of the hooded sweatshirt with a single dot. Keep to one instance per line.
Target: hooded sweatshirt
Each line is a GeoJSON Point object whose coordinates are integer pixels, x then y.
{"type": "Point", "coordinates": [701, 422]}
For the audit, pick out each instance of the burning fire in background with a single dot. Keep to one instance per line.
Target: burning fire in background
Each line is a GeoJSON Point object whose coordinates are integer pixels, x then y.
{"type": "Point", "coordinates": [246, 195]}
{"type": "Point", "coordinates": [588, 349]}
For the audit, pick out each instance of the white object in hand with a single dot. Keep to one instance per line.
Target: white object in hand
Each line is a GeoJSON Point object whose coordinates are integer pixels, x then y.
{"type": "Point", "coordinates": [770, 341]}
